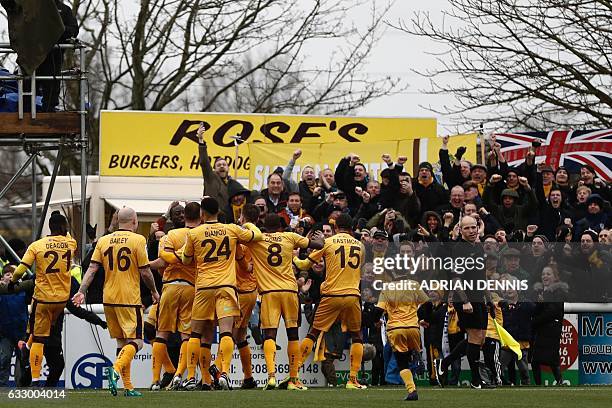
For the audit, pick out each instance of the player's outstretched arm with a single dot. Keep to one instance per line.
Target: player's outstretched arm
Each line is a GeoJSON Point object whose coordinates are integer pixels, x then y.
{"type": "Point", "coordinates": [19, 272]}
{"type": "Point", "coordinates": [79, 297]}
{"type": "Point", "coordinates": [302, 264]}
{"type": "Point", "coordinates": [317, 240]}
{"type": "Point", "coordinates": [147, 277]}
{"type": "Point", "coordinates": [257, 235]}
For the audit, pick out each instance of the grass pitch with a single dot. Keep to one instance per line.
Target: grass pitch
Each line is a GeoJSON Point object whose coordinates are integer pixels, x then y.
{"type": "Point", "coordinates": [584, 397]}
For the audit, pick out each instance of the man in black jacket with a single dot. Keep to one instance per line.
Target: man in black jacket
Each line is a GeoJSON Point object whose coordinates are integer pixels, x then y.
{"type": "Point", "coordinates": [53, 351]}
{"type": "Point", "coordinates": [52, 65]}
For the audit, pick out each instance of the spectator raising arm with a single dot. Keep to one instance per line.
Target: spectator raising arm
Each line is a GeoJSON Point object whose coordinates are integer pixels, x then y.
{"type": "Point", "coordinates": [213, 185]}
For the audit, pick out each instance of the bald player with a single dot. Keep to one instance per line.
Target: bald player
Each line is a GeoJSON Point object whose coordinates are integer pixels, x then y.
{"type": "Point", "coordinates": [470, 303]}
{"type": "Point", "coordinates": [213, 246]}
{"type": "Point", "coordinates": [277, 285]}
{"type": "Point", "coordinates": [53, 255]}
{"type": "Point", "coordinates": [174, 313]}
{"type": "Point", "coordinates": [123, 255]}
{"type": "Point", "coordinates": [340, 296]}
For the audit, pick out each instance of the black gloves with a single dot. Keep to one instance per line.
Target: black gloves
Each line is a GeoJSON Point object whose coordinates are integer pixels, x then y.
{"type": "Point", "coordinates": [460, 152]}
{"type": "Point", "coordinates": [491, 308]}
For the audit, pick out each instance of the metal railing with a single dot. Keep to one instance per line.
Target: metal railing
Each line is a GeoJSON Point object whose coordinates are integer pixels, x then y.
{"type": "Point", "coordinates": [33, 146]}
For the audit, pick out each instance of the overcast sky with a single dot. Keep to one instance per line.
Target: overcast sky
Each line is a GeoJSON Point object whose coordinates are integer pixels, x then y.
{"type": "Point", "coordinates": [397, 54]}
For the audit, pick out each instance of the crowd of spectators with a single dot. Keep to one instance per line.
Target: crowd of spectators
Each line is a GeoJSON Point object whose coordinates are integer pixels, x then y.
{"type": "Point", "coordinates": [538, 224]}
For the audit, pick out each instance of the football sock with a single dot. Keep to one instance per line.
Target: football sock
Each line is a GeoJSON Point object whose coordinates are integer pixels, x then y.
{"type": "Point", "coordinates": [269, 347]}
{"type": "Point", "coordinates": [36, 359]}
{"type": "Point", "coordinates": [193, 356]}
{"type": "Point", "coordinates": [473, 356]}
{"type": "Point", "coordinates": [455, 354]}
{"type": "Point", "coordinates": [124, 362]}
{"type": "Point", "coordinates": [406, 375]}
{"type": "Point", "coordinates": [227, 348]}
{"type": "Point", "coordinates": [158, 356]}
{"type": "Point", "coordinates": [245, 359]}
{"type": "Point", "coordinates": [182, 365]}
{"type": "Point", "coordinates": [205, 357]}
{"type": "Point", "coordinates": [356, 356]}
{"type": "Point", "coordinates": [293, 352]}
{"type": "Point", "coordinates": [305, 349]}
{"type": "Point", "coordinates": [219, 359]}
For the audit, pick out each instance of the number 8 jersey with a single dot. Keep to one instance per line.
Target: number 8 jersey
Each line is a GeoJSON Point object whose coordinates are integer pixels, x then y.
{"type": "Point", "coordinates": [272, 258]}
{"type": "Point", "coordinates": [53, 255]}
{"type": "Point", "coordinates": [122, 254]}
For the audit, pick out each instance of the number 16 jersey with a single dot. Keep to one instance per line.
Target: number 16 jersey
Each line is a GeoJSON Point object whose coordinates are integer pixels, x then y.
{"type": "Point", "coordinates": [122, 254]}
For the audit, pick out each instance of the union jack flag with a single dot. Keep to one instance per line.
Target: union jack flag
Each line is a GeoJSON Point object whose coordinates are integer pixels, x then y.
{"type": "Point", "coordinates": [569, 148]}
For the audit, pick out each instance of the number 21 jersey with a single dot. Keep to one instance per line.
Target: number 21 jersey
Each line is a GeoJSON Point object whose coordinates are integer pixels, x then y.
{"type": "Point", "coordinates": [53, 255]}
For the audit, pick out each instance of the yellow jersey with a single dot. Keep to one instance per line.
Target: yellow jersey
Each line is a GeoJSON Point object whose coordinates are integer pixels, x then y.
{"type": "Point", "coordinates": [213, 245]}
{"type": "Point", "coordinates": [173, 244]}
{"type": "Point", "coordinates": [245, 280]}
{"type": "Point", "coordinates": [272, 261]}
{"type": "Point", "coordinates": [344, 255]}
{"type": "Point", "coordinates": [53, 255]}
{"type": "Point", "coordinates": [122, 254]}
{"type": "Point", "coordinates": [401, 306]}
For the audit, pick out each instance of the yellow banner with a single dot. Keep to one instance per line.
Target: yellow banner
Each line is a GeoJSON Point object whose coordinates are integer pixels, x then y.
{"type": "Point", "coordinates": [268, 157]}
{"type": "Point", "coordinates": [164, 144]}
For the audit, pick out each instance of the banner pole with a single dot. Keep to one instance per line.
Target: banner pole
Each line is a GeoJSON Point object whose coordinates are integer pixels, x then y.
{"type": "Point", "coordinates": [482, 144]}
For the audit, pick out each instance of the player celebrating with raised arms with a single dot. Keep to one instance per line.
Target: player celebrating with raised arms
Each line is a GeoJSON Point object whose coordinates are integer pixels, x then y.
{"type": "Point", "coordinates": [213, 246]}
{"type": "Point", "coordinates": [272, 263]}
{"type": "Point", "coordinates": [340, 295]}
{"type": "Point", "coordinates": [53, 255]}
{"type": "Point", "coordinates": [124, 258]}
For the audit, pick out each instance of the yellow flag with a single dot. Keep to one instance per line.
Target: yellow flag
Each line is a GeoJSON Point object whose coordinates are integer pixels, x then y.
{"type": "Point", "coordinates": [507, 340]}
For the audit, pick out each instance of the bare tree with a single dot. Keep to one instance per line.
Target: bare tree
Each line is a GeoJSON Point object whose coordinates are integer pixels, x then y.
{"type": "Point", "coordinates": [230, 55]}
{"type": "Point", "coordinates": [523, 63]}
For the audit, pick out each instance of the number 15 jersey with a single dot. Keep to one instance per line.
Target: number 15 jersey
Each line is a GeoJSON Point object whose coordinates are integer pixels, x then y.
{"type": "Point", "coordinates": [122, 254]}
{"type": "Point", "coordinates": [343, 256]}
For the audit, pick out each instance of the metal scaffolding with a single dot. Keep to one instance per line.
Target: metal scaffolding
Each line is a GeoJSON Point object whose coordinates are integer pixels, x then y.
{"type": "Point", "coordinates": [35, 132]}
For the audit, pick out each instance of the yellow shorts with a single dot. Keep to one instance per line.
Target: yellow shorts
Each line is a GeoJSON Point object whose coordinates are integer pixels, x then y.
{"type": "Point", "coordinates": [404, 339]}
{"type": "Point", "coordinates": [43, 317]}
{"type": "Point", "coordinates": [247, 303]}
{"type": "Point", "coordinates": [152, 315]}
{"type": "Point", "coordinates": [175, 308]}
{"type": "Point", "coordinates": [277, 304]}
{"type": "Point", "coordinates": [347, 309]}
{"type": "Point", "coordinates": [211, 304]}
{"type": "Point", "coordinates": [124, 322]}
